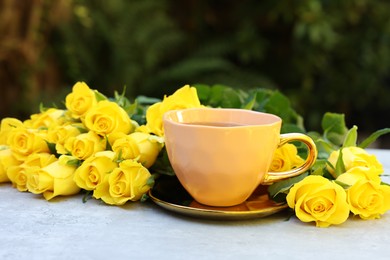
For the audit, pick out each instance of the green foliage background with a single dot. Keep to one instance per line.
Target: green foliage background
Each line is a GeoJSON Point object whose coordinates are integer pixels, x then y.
{"type": "Point", "coordinates": [324, 55]}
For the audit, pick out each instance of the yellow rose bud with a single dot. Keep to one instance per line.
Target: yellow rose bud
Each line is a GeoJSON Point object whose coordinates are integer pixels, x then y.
{"type": "Point", "coordinates": [7, 125]}
{"type": "Point", "coordinates": [316, 198]}
{"type": "Point", "coordinates": [92, 171]}
{"type": "Point", "coordinates": [80, 100]}
{"type": "Point", "coordinates": [127, 182]}
{"type": "Point", "coordinates": [369, 199]}
{"type": "Point", "coordinates": [7, 160]}
{"type": "Point", "coordinates": [53, 180]}
{"type": "Point", "coordinates": [185, 97]}
{"type": "Point", "coordinates": [139, 146]}
{"type": "Point", "coordinates": [85, 145]}
{"type": "Point", "coordinates": [18, 173]}
{"type": "Point", "coordinates": [24, 142]}
{"type": "Point", "coordinates": [45, 119]}
{"type": "Point", "coordinates": [285, 158]}
{"type": "Point", "coordinates": [353, 157]}
{"type": "Point", "coordinates": [108, 117]}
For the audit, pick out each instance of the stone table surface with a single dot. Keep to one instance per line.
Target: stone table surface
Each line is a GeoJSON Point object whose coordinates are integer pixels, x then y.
{"type": "Point", "coordinates": [67, 228]}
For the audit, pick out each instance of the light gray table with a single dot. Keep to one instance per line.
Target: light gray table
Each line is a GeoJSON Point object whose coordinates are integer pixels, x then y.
{"type": "Point", "coordinates": [32, 228]}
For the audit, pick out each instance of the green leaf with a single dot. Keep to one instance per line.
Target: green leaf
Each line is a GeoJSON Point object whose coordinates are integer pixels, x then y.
{"type": "Point", "coordinates": [131, 108]}
{"type": "Point", "coordinates": [108, 145]}
{"type": "Point", "coordinates": [42, 108]}
{"type": "Point", "coordinates": [278, 101]}
{"type": "Point", "coordinates": [262, 97]}
{"type": "Point", "coordinates": [122, 100]}
{"type": "Point", "coordinates": [340, 167]}
{"type": "Point", "coordinates": [318, 167]}
{"type": "Point", "coordinates": [203, 92]}
{"type": "Point", "coordinates": [351, 138]}
{"type": "Point", "coordinates": [52, 147]}
{"type": "Point", "coordinates": [99, 96]}
{"type": "Point", "coordinates": [220, 96]}
{"type": "Point", "coordinates": [333, 122]}
{"type": "Point", "coordinates": [292, 128]}
{"type": "Point", "coordinates": [251, 102]}
{"type": "Point", "coordinates": [120, 96]}
{"type": "Point", "coordinates": [230, 98]}
{"type": "Point", "coordinates": [284, 185]}
{"type": "Point", "coordinates": [119, 158]}
{"type": "Point", "coordinates": [74, 162]}
{"type": "Point", "coordinates": [372, 138]}
{"type": "Point", "coordinates": [144, 197]}
{"type": "Point", "coordinates": [87, 196]}
{"type": "Point", "coordinates": [151, 180]}
{"type": "Point", "coordinates": [324, 147]}
{"type": "Point", "coordinates": [385, 183]}
{"type": "Point", "coordinates": [334, 127]}
{"type": "Point", "coordinates": [278, 104]}
{"type": "Point", "coordinates": [326, 172]}
{"type": "Point", "coordinates": [144, 100]}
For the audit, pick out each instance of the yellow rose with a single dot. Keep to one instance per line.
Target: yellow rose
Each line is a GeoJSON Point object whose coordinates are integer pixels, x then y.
{"type": "Point", "coordinates": [353, 157]}
{"type": "Point", "coordinates": [7, 160]}
{"type": "Point", "coordinates": [80, 100]}
{"type": "Point", "coordinates": [53, 180]}
{"type": "Point", "coordinates": [92, 171]}
{"type": "Point", "coordinates": [154, 120]}
{"type": "Point", "coordinates": [139, 146]}
{"type": "Point", "coordinates": [18, 173]}
{"type": "Point", "coordinates": [285, 158]}
{"type": "Point", "coordinates": [127, 182]}
{"type": "Point", "coordinates": [7, 125]}
{"type": "Point", "coordinates": [355, 174]}
{"type": "Point", "coordinates": [59, 134]}
{"type": "Point", "coordinates": [108, 117]}
{"type": "Point", "coordinates": [185, 97]}
{"type": "Point", "coordinates": [52, 116]}
{"type": "Point", "coordinates": [368, 199]}
{"type": "Point", "coordinates": [85, 145]}
{"type": "Point", "coordinates": [316, 198]}
{"type": "Point", "coordinates": [24, 142]}
{"type": "Point", "coordinates": [366, 196]}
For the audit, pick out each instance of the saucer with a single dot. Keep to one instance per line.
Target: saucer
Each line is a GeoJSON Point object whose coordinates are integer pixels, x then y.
{"type": "Point", "coordinates": [170, 194]}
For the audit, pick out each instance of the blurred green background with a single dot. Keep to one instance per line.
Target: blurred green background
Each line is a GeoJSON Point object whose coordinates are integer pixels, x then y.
{"type": "Point", "coordinates": [324, 55]}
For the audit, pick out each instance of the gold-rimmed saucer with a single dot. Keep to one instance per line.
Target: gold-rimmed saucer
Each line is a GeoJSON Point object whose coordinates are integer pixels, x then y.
{"type": "Point", "coordinates": [170, 194]}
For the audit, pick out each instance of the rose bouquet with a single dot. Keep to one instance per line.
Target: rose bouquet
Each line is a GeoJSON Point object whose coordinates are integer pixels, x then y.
{"type": "Point", "coordinates": [113, 150]}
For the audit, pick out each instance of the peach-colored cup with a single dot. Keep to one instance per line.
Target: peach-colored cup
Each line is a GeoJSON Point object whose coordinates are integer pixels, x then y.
{"type": "Point", "coordinates": [223, 165]}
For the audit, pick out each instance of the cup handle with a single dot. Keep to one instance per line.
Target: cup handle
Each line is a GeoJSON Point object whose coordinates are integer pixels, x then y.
{"type": "Point", "coordinates": [272, 177]}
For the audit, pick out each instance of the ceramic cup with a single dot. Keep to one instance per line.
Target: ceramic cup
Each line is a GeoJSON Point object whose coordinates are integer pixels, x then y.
{"type": "Point", "coordinates": [221, 155]}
